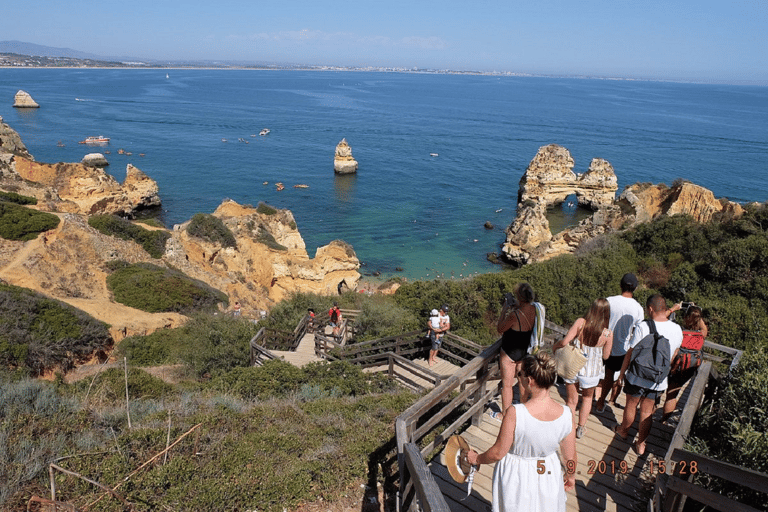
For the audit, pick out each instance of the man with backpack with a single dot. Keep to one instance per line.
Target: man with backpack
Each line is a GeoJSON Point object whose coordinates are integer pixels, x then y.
{"type": "Point", "coordinates": [334, 315]}
{"type": "Point", "coordinates": [654, 345]}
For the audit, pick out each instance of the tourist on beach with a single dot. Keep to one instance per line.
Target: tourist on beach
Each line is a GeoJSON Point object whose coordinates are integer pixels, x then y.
{"type": "Point", "coordinates": [435, 335]}
{"type": "Point", "coordinates": [625, 313]}
{"type": "Point", "coordinates": [521, 325]}
{"type": "Point", "coordinates": [528, 474]}
{"type": "Point", "coordinates": [641, 391]}
{"type": "Point", "coordinates": [592, 336]}
{"type": "Point", "coordinates": [686, 363]}
{"type": "Point", "coordinates": [335, 319]}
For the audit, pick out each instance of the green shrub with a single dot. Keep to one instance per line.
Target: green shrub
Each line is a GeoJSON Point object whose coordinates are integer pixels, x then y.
{"type": "Point", "coordinates": [206, 344]}
{"type": "Point", "coordinates": [20, 223]}
{"type": "Point", "coordinates": [154, 289]}
{"type": "Point", "coordinates": [212, 229]}
{"type": "Point", "coordinates": [152, 241]}
{"type": "Point", "coordinates": [41, 334]}
{"type": "Point", "coordinates": [265, 209]}
{"type": "Point", "coordinates": [266, 238]}
{"type": "Point", "coordinates": [13, 197]}
{"type": "Point", "coordinates": [734, 428]}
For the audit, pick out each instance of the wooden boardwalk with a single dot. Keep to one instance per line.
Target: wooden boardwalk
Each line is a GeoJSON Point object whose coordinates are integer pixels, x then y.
{"type": "Point", "coordinates": [601, 483]}
{"type": "Point", "coordinates": [304, 353]}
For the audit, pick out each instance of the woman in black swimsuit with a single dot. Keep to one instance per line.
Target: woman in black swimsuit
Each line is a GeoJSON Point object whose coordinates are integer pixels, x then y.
{"type": "Point", "coordinates": [518, 317]}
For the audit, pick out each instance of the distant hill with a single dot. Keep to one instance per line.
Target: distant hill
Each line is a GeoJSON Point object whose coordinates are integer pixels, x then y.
{"type": "Point", "coordinates": [23, 48]}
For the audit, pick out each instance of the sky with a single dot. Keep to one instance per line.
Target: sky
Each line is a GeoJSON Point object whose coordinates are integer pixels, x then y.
{"type": "Point", "coordinates": [705, 40]}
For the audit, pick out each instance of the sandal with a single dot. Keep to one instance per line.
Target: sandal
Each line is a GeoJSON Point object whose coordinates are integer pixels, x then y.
{"type": "Point", "coordinates": [639, 448]}
{"type": "Point", "coordinates": [616, 431]}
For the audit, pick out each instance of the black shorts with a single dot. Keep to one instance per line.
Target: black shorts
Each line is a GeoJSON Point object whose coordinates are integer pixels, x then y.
{"type": "Point", "coordinates": [613, 363]}
{"type": "Point", "coordinates": [637, 391]}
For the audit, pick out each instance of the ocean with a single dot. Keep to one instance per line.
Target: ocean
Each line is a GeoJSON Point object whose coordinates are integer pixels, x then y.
{"type": "Point", "coordinates": [405, 212]}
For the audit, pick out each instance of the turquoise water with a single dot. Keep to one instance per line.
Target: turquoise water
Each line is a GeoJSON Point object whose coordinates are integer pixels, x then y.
{"type": "Point", "coordinates": [404, 208]}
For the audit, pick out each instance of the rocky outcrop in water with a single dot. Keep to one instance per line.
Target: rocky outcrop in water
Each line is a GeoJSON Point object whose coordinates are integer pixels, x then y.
{"type": "Point", "coordinates": [343, 162]}
{"type": "Point", "coordinates": [24, 100]}
{"type": "Point", "coordinates": [549, 180]}
{"type": "Point", "coordinates": [94, 160]}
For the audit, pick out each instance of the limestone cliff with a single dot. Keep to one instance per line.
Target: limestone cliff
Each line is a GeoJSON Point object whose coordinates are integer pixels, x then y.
{"type": "Point", "coordinates": [549, 179]}
{"type": "Point", "coordinates": [69, 263]}
{"type": "Point", "coordinates": [269, 262]}
{"type": "Point", "coordinates": [343, 162]}
{"type": "Point", "coordinates": [79, 188]}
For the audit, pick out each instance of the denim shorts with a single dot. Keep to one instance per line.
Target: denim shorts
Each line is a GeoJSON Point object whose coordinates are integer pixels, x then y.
{"type": "Point", "coordinates": [637, 391]}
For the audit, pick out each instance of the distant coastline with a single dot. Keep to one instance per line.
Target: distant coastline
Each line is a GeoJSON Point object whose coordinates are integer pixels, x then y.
{"type": "Point", "coordinates": [19, 61]}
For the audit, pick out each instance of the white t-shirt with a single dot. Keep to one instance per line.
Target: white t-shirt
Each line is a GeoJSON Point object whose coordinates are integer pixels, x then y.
{"type": "Point", "coordinates": [434, 321]}
{"type": "Point", "coordinates": [625, 313]}
{"type": "Point", "coordinates": [669, 330]}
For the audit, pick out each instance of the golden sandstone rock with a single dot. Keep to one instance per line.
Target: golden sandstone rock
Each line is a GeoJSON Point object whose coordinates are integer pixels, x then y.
{"type": "Point", "coordinates": [549, 180]}
{"type": "Point", "coordinates": [343, 162]}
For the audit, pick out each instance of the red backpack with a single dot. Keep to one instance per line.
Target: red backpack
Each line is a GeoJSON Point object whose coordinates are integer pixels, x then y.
{"type": "Point", "coordinates": [689, 355]}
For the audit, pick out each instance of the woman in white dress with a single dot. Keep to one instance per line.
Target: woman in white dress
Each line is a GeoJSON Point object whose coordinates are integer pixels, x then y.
{"type": "Point", "coordinates": [528, 474]}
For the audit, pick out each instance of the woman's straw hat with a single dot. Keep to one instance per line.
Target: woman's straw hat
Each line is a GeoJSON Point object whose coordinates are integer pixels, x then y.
{"type": "Point", "coordinates": [456, 458]}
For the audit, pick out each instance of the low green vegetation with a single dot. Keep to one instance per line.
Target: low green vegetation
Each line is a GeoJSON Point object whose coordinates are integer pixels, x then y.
{"type": "Point", "coordinates": [155, 289]}
{"type": "Point", "coordinates": [153, 241]}
{"type": "Point", "coordinates": [211, 229]}
{"type": "Point", "coordinates": [39, 334]}
{"type": "Point", "coordinates": [13, 197]}
{"type": "Point", "coordinates": [207, 345]}
{"type": "Point", "coordinates": [265, 209]}
{"type": "Point", "coordinates": [20, 223]}
{"type": "Point", "coordinates": [269, 447]}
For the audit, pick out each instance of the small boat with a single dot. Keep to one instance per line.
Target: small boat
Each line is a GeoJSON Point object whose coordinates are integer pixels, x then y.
{"type": "Point", "coordinates": [223, 140]}
{"type": "Point", "coordinates": [95, 140]}
{"type": "Point", "coordinates": [301, 185]}
{"type": "Point", "coordinates": [265, 131]}
{"type": "Point", "coordinates": [166, 76]}
{"type": "Point", "coordinates": [60, 144]}
{"type": "Point", "coordinates": [279, 186]}
{"type": "Point", "coordinates": [433, 154]}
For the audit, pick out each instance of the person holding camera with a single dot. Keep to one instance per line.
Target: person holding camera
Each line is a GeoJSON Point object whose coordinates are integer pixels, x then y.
{"type": "Point", "coordinates": [517, 323]}
{"type": "Point", "coordinates": [689, 358]}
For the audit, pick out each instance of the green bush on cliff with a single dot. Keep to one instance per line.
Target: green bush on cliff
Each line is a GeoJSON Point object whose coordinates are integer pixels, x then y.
{"type": "Point", "coordinates": [154, 289]}
{"type": "Point", "coordinates": [212, 229]}
{"type": "Point", "coordinates": [265, 209]}
{"type": "Point", "coordinates": [153, 241]}
{"type": "Point", "coordinates": [13, 197]}
{"type": "Point", "coordinates": [20, 223]}
{"type": "Point", "coordinates": [734, 427]}
{"type": "Point", "coordinates": [40, 334]}
{"type": "Point", "coordinates": [206, 344]}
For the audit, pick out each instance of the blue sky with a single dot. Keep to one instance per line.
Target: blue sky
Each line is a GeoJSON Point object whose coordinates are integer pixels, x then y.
{"type": "Point", "coordinates": [723, 41]}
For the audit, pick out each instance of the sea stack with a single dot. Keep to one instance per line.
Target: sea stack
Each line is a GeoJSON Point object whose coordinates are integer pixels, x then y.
{"type": "Point", "coordinates": [94, 160]}
{"type": "Point", "coordinates": [343, 163]}
{"type": "Point", "coordinates": [24, 100]}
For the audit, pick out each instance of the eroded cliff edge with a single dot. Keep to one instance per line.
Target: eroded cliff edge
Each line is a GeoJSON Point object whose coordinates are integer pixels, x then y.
{"type": "Point", "coordinates": [549, 180]}
{"type": "Point", "coordinates": [69, 263]}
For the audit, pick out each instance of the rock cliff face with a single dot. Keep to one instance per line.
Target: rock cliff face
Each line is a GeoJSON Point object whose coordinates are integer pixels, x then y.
{"type": "Point", "coordinates": [270, 260]}
{"type": "Point", "coordinates": [24, 100]}
{"type": "Point", "coordinates": [549, 180]}
{"type": "Point", "coordinates": [69, 263]}
{"type": "Point", "coordinates": [343, 162]}
{"type": "Point", "coordinates": [79, 188]}
{"type": "Point", "coordinates": [11, 144]}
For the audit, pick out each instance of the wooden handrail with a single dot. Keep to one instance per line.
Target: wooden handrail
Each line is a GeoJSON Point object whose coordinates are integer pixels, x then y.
{"type": "Point", "coordinates": [429, 494]}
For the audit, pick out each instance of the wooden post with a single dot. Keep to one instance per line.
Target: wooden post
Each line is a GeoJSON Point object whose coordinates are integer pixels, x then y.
{"type": "Point", "coordinates": [127, 403]}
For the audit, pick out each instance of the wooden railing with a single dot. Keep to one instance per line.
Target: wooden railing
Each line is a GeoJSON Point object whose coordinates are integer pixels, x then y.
{"type": "Point", "coordinates": [674, 486]}
{"type": "Point", "coordinates": [468, 389]}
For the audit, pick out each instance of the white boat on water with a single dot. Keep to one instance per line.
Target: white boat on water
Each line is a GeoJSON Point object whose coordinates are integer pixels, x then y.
{"type": "Point", "coordinates": [265, 131]}
{"type": "Point", "coordinates": [95, 140]}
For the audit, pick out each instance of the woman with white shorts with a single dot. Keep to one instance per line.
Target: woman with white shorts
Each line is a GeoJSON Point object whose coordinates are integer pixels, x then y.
{"type": "Point", "coordinates": [590, 335]}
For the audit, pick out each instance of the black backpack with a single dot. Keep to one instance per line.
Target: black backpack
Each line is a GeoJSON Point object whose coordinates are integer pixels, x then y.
{"type": "Point", "coordinates": [651, 358]}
